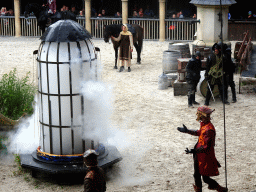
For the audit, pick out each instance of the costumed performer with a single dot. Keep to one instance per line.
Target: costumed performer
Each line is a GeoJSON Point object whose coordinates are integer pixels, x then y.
{"type": "Point", "coordinates": [193, 69]}
{"type": "Point", "coordinates": [94, 180]}
{"type": "Point", "coordinates": [205, 162]}
{"type": "Point", "coordinates": [126, 47]}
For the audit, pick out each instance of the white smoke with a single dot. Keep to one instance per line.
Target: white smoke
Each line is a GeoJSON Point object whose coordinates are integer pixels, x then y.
{"type": "Point", "coordinates": [25, 139]}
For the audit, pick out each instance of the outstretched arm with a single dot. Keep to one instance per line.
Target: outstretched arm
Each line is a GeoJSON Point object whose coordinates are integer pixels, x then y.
{"type": "Point", "coordinates": [184, 129]}
{"type": "Point", "coordinates": [116, 39]}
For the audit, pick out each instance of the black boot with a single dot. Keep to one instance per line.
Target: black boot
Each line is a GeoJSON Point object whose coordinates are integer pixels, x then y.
{"type": "Point", "coordinates": [121, 69]}
{"type": "Point", "coordinates": [190, 101]}
{"type": "Point", "coordinates": [221, 96]}
{"type": "Point", "coordinates": [233, 90]}
{"type": "Point", "coordinates": [194, 100]}
{"type": "Point", "coordinates": [207, 99]}
{"type": "Point", "coordinates": [129, 69]}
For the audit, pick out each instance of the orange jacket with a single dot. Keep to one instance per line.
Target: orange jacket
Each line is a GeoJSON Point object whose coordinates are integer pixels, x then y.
{"type": "Point", "coordinates": [208, 164]}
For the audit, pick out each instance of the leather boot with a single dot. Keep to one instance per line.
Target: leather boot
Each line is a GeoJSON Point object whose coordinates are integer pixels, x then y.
{"type": "Point", "coordinates": [194, 100]}
{"type": "Point", "coordinates": [197, 189]}
{"type": "Point", "coordinates": [219, 189]}
{"type": "Point", "coordinates": [233, 90]}
{"type": "Point", "coordinates": [224, 100]}
{"type": "Point", "coordinates": [121, 69]}
{"type": "Point", "coordinates": [190, 101]}
{"type": "Point", "coordinates": [222, 189]}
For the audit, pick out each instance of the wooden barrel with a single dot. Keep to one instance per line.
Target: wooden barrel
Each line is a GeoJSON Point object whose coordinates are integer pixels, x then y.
{"type": "Point", "coordinates": [170, 63]}
{"type": "Point", "coordinates": [183, 48]}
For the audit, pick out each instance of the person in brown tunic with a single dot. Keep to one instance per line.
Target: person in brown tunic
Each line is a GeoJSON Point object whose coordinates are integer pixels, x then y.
{"type": "Point", "coordinates": [126, 47]}
{"type": "Point", "coordinates": [94, 180]}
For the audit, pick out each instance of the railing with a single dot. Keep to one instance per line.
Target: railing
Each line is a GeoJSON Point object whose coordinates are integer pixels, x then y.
{"type": "Point", "coordinates": [28, 26]}
{"type": "Point", "coordinates": [175, 29]}
{"type": "Point", "coordinates": [7, 26]}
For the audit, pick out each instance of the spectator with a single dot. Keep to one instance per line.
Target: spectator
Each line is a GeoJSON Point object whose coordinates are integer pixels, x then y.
{"type": "Point", "coordinates": [103, 13]}
{"type": "Point", "coordinates": [148, 12]}
{"type": "Point", "coordinates": [173, 16]}
{"type": "Point", "coordinates": [229, 15]}
{"type": "Point", "coordinates": [135, 14]}
{"type": "Point", "coordinates": [81, 13]}
{"type": "Point", "coordinates": [118, 14]}
{"type": "Point", "coordinates": [249, 15]}
{"type": "Point", "coordinates": [3, 11]}
{"type": "Point", "coordinates": [64, 8]}
{"type": "Point", "coordinates": [73, 10]}
{"type": "Point", "coordinates": [10, 13]}
{"type": "Point", "coordinates": [194, 16]}
{"type": "Point", "coordinates": [181, 15]}
{"type": "Point", "coordinates": [141, 12]}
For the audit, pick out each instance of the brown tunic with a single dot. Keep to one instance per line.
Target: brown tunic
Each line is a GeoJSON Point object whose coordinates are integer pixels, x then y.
{"type": "Point", "coordinates": [125, 49]}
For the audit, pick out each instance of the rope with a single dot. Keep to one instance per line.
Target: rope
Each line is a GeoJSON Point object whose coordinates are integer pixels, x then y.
{"type": "Point", "coordinates": [223, 96]}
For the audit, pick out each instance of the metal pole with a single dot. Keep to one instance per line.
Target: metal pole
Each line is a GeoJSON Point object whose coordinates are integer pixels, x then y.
{"type": "Point", "coordinates": [223, 94]}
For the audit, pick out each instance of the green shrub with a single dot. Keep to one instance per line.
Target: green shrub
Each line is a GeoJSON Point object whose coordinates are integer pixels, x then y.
{"type": "Point", "coordinates": [16, 95]}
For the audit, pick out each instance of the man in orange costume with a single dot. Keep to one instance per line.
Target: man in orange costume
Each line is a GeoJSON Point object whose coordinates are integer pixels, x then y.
{"type": "Point", "coordinates": [205, 162]}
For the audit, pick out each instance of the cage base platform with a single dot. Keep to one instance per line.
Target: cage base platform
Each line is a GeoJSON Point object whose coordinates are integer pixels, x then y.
{"type": "Point", "coordinates": [29, 161]}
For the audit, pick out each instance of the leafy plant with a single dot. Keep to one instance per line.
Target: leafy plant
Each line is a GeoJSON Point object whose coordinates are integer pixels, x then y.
{"type": "Point", "coordinates": [16, 95]}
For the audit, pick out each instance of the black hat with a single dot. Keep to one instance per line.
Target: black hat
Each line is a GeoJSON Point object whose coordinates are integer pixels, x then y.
{"type": "Point", "coordinates": [198, 54]}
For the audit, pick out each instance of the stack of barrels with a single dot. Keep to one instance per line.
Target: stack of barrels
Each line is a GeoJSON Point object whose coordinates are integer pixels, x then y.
{"type": "Point", "coordinates": [175, 51]}
{"type": "Point", "coordinates": [170, 62]}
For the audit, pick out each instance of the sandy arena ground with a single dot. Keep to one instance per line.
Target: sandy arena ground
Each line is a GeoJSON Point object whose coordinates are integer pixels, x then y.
{"type": "Point", "coordinates": [147, 118]}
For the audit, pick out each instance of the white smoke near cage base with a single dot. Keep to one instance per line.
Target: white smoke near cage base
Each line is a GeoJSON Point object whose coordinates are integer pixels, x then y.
{"type": "Point", "coordinates": [25, 139]}
{"type": "Point", "coordinates": [98, 104]}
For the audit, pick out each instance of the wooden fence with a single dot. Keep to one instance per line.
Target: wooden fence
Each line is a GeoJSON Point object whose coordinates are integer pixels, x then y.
{"type": "Point", "coordinates": [175, 29]}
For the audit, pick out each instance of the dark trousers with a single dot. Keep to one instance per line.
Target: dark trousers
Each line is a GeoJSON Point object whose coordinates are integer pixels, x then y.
{"type": "Point", "coordinates": [208, 94]}
{"type": "Point", "coordinates": [197, 176]}
{"type": "Point", "coordinates": [192, 84]}
{"type": "Point", "coordinates": [231, 83]}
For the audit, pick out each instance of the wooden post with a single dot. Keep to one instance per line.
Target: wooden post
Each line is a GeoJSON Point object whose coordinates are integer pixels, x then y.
{"type": "Point", "coordinates": [125, 11]}
{"type": "Point", "coordinates": [88, 11]}
{"type": "Point", "coordinates": [162, 20]}
{"type": "Point", "coordinates": [17, 18]}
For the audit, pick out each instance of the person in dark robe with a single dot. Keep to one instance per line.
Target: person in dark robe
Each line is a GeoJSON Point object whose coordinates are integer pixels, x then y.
{"type": "Point", "coordinates": [193, 69]}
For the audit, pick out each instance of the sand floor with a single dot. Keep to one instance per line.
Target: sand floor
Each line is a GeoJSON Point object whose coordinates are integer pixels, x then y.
{"type": "Point", "coordinates": [146, 119]}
